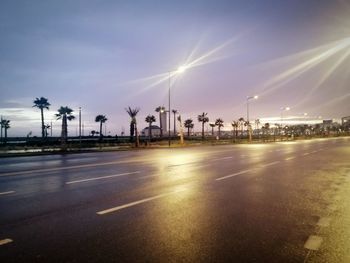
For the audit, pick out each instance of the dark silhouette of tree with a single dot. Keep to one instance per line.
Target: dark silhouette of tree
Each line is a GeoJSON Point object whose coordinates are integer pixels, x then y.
{"type": "Point", "coordinates": [212, 125]}
{"type": "Point", "coordinates": [189, 125]}
{"type": "Point", "coordinates": [2, 123]}
{"type": "Point", "coordinates": [5, 124]}
{"type": "Point", "coordinates": [133, 124]}
{"type": "Point", "coordinates": [47, 127]}
{"type": "Point", "coordinates": [101, 119]}
{"type": "Point", "coordinates": [160, 109]}
{"type": "Point", "coordinates": [203, 119]}
{"type": "Point", "coordinates": [174, 112]}
{"type": "Point", "coordinates": [42, 104]}
{"type": "Point", "coordinates": [150, 119]}
{"type": "Point", "coordinates": [241, 125]}
{"type": "Point", "coordinates": [65, 114]}
{"type": "Point", "coordinates": [235, 128]}
{"type": "Point", "coordinates": [220, 123]}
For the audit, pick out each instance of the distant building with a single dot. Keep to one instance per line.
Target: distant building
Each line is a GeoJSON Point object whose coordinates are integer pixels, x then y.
{"type": "Point", "coordinates": [345, 121]}
{"type": "Point", "coordinates": [154, 129]}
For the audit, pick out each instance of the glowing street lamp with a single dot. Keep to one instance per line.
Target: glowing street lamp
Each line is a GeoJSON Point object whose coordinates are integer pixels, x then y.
{"type": "Point", "coordinates": [282, 110]}
{"type": "Point", "coordinates": [179, 70]}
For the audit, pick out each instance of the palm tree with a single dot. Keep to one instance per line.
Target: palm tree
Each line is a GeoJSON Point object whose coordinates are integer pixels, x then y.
{"type": "Point", "coordinates": [2, 123]}
{"type": "Point", "coordinates": [212, 125]}
{"type": "Point", "coordinates": [241, 125]}
{"type": "Point", "coordinates": [65, 114]}
{"type": "Point", "coordinates": [220, 123]}
{"type": "Point", "coordinates": [267, 129]}
{"type": "Point", "coordinates": [101, 119]}
{"type": "Point", "coordinates": [6, 125]}
{"type": "Point", "coordinates": [189, 125]}
{"type": "Point", "coordinates": [42, 104]}
{"type": "Point", "coordinates": [150, 119]}
{"type": "Point", "coordinates": [203, 119]}
{"type": "Point", "coordinates": [160, 109]}
{"type": "Point", "coordinates": [247, 124]}
{"type": "Point", "coordinates": [47, 127]}
{"type": "Point", "coordinates": [235, 128]}
{"type": "Point", "coordinates": [133, 124]}
{"type": "Point", "coordinates": [174, 112]}
{"type": "Point", "coordinates": [257, 125]}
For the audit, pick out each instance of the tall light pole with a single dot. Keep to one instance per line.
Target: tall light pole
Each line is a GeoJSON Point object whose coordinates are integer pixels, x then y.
{"type": "Point", "coordinates": [80, 126]}
{"type": "Point", "coordinates": [282, 110]}
{"type": "Point", "coordinates": [248, 99]}
{"type": "Point", "coordinates": [180, 69]}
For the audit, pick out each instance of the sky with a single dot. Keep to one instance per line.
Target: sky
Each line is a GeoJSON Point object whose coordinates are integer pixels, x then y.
{"type": "Point", "coordinates": [104, 56]}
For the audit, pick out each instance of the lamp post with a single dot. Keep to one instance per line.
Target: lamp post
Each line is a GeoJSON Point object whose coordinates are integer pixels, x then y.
{"type": "Point", "coordinates": [248, 99]}
{"type": "Point", "coordinates": [180, 69]}
{"type": "Point", "coordinates": [282, 109]}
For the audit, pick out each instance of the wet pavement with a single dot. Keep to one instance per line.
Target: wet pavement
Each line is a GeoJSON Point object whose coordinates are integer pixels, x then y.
{"type": "Point", "coordinates": [278, 202]}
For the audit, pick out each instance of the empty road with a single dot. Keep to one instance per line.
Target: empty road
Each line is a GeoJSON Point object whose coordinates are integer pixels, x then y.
{"type": "Point", "coordinates": [277, 202]}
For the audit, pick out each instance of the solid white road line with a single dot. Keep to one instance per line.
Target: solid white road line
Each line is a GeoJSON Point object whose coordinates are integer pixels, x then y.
{"type": "Point", "coordinates": [269, 164]}
{"type": "Point", "coordinates": [313, 242]}
{"type": "Point", "coordinates": [6, 193]}
{"type": "Point", "coordinates": [232, 175]}
{"type": "Point", "coordinates": [102, 177]}
{"type": "Point", "coordinates": [306, 154]}
{"type": "Point", "coordinates": [5, 241]}
{"type": "Point", "coordinates": [290, 158]}
{"type": "Point", "coordinates": [61, 168]}
{"type": "Point", "coordinates": [223, 158]}
{"type": "Point", "coordinates": [114, 209]}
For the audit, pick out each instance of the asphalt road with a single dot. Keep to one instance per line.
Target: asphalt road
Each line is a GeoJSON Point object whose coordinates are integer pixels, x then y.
{"type": "Point", "coordinates": [281, 202]}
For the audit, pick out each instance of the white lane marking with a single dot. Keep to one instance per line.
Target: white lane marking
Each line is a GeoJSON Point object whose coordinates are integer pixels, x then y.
{"type": "Point", "coordinates": [324, 222]}
{"type": "Point", "coordinates": [306, 154]}
{"type": "Point", "coordinates": [314, 151]}
{"type": "Point", "coordinates": [313, 242]}
{"type": "Point", "coordinates": [102, 177]}
{"type": "Point", "coordinates": [269, 164]}
{"type": "Point", "coordinates": [6, 193]}
{"type": "Point", "coordinates": [61, 168]}
{"type": "Point", "coordinates": [223, 158]}
{"type": "Point", "coordinates": [114, 209]}
{"type": "Point", "coordinates": [5, 241]}
{"type": "Point", "coordinates": [232, 175]}
{"type": "Point", "coordinates": [290, 158]}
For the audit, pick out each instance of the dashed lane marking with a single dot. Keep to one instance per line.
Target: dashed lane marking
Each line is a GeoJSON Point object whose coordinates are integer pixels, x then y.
{"type": "Point", "coordinates": [114, 209]}
{"type": "Point", "coordinates": [5, 241]}
{"type": "Point", "coordinates": [290, 158]}
{"type": "Point", "coordinates": [269, 164]}
{"type": "Point", "coordinates": [223, 158]}
{"type": "Point", "coordinates": [313, 242]}
{"type": "Point", "coordinates": [232, 175]}
{"type": "Point", "coordinates": [7, 193]}
{"type": "Point", "coordinates": [306, 154]}
{"type": "Point", "coordinates": [102, 177]}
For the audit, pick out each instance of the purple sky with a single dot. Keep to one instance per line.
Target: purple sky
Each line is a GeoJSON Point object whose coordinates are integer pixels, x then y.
{"type": "Point", "coordinates": [98, 55]}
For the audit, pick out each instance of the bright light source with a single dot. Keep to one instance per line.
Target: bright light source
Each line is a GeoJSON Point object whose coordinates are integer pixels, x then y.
{"type": "Point", "coordinates": [305, 113]}
{"type": "Point", "coordinates": [256, 96]}
{"type": "Point", "coordinates": [287, 108]}
{"type": "Point", "coordinates": [182, 69]}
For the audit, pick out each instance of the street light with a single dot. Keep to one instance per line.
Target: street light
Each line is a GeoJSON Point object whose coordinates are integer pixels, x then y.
{"type": "Point", "coordinates": [283, 109]}
{"type": "Point", "coordinates": [179, 70]}
{"type": "Point", "coordinates": [248, 99]}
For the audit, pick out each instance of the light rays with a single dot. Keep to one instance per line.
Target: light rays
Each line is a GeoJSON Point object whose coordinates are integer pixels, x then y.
{"type": "Point", "coordinates": [211, 56]}
{"type": "Point", "coordinates": [291, 74]}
